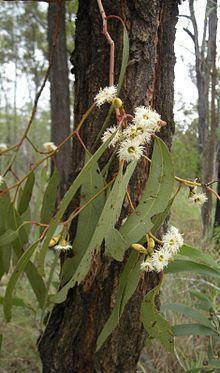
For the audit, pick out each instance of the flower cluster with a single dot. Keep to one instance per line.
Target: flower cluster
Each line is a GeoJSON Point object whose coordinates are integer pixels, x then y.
{"type": "Point", "coordinates": [131, 140]}
{"type": "Point", "coordinates": [3, 147]}
{"type": "Point", "coordinates": [106, 94]}
{"type": "Point", "coordinates": [159, 259]}
{"type": "Point", "coordinates": [49, 146]}
{"type": "Point", "coordinates": [196, 198]}
{"type": "Point", "coordinates": [63, 245]}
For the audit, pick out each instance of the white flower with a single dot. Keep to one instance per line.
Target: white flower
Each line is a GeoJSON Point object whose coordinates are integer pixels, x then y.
{"type": "Point", "coordinates": [3, 147]}
{"type": "Point", "coordinates": [130, 150]}
{"type": "Point", "coordinates": [172, 240]}
{"type": "Point", "coordinates": [160, 259]}
{"type": "Point", "coordinates": [50, 146]}
{"type": "Point", "coordinates": [1, 180]}
{"type": "Point", "coordinates": [145, 116]}
{"type": "Point", "coordinates": [147, 266]}
{"type": "Point", "coordinates": [198, 198]}
{"type": "Point", "coordinates": [138, 132]}
{"type": "Point", "coordinates": [64, 247]}
{"type": "Point", "coordinates": [108, 133]}
{"type": "Point", "coordinates": [106, 94]}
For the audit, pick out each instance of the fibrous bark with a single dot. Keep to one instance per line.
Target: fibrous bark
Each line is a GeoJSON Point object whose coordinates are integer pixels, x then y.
{"type": "Point", "coordinates": [68, 344]}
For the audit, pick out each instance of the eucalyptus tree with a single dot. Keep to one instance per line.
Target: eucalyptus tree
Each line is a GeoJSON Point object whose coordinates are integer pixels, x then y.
{"type": "Point", "coordinates": [69, 341]}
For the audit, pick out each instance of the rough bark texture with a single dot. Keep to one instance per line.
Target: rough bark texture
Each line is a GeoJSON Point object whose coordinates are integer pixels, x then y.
{"type": "Point", "coordinates": [59, 92]}
{"type": "Point", "coordinates": [68, 344]}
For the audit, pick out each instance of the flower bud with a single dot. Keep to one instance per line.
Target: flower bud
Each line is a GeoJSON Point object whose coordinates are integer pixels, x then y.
{"type": "Point", "coordinates": [117, 103]}
{"type": "Point", "coordinates": [139, 248]}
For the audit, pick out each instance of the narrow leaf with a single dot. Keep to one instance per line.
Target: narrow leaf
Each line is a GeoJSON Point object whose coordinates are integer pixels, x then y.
{"type": "Point", "coordinates": [127, 285]}
{"type": "Point", "coordinates": [192, 329]}
{"type": "Point", "coordinates": [5, 203]}
{"type": "Point", "coordinates": [155, 325]}
{"type": "Point", "coordinates": [155, 195]}
{"type": "Point", "coordinates": [26, 193]}
{"type": "Point", "coordinates": [190, 266]}
{"type": "Point", "coordinates": [125, 55]}
{"type": "Point", "coordinates": [49, 199]}
{"type": "Point", "coordinates": [193, 253]}
{"type": "Point", "coordinates": [107, 219]}
{"type": "Point", "coordinates": [20, 266]}
{"type": "Point", "coordinates": [8, 237]}
{"type": "Point", "coordinates": [89, 217]}
{"type": "Point", "coordinates": [67, 199]}
{"type": "Point", "coordinates": [188, 312]}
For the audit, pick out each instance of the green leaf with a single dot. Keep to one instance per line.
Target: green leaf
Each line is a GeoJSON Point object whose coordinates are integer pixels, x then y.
{"type": "Point", "coordinates": [214, 363]}
{"type": "Point", "coordinates": [125, 56]}
{"type": "Point", "coordinates": [36, 282]}
{"type": "Point", "coordinates": [26, 193]}
{"type": "Point", "coordinates": [89, 217]}
{"type": "Point", "coordinates": [192, 329]}
{"type": "Point", "coordinates": [155, 325]}
{"type": "Point", "coordinates": [115, 244]}
{"type": "Point", "coordinates": [49, 199]}
{"type": "Point", "coordinates": [14, 223]}
{"type": "Point", "coordinates": [155, 195]}
{"type": "Point", "coordinates": [159, 219]}
{"type": "Point", "coordinates": [20, 266]}
{"type": "Point", "coordinates": [5, 203]}
{"type": "Point", "coordinates": [127, 285]}
{"type": "Point", "coordinates": [17, 302]}
{"type": "Point", "coordinates": [190, 266]}
{"type": "Point", "coordinates": [124, 63]}
{"type": "Point", "coordinates": [188, 312]}
{"type": "Point", "coordinates": [107, 219]}
{"type": "Point", "coordinates": [193, 253]}
{"type": "Point", "coordinates": [68, 198]}
{"type": "Point", "coordinates": [202, 297]}
{"type": "Point", "coordinates": [5, 259]}
{"type": "Point", "coordinates": [8, 237]}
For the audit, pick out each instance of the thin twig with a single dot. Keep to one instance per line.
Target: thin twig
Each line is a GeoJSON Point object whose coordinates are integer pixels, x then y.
{"type": "Point", "coordinates": [110, 42]}
{"type": "Point", "coordinates": [34, 109]}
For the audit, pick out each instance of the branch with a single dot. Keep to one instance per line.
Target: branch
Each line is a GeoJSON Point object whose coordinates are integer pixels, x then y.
{"type": "Point", "coordinates": [110, 42]}
{"type": "Point", "coordinates": [34, 109]}
{"type": "Point", "coordinates": [185, 16]}
{"type": "Point", "coordinates": [190, 34]}
{"type": "Point", "coordinates": [195, 27]}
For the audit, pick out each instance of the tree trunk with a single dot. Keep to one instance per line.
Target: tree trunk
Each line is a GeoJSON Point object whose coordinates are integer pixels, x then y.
{"type": "Point", "coordinates": [205, 63]}
{"type": "Point", "coordinates": [59, 92]}
{"type": "Point", "coordinates": [68, 344]}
